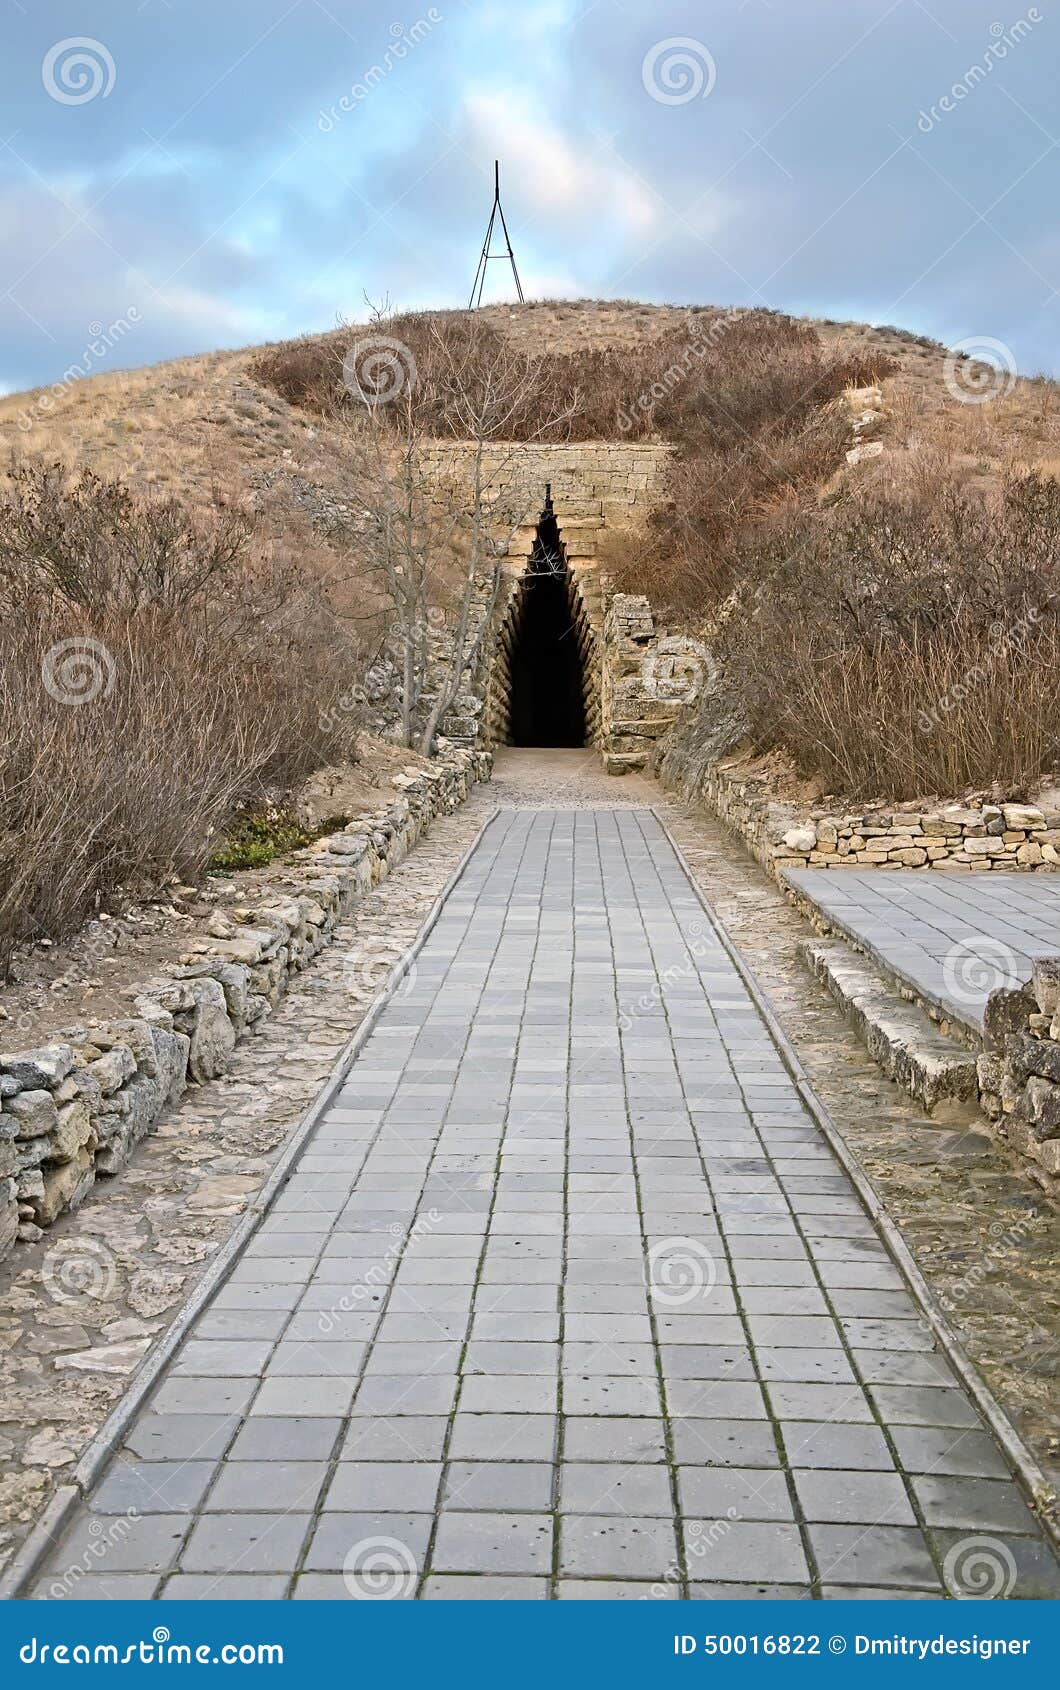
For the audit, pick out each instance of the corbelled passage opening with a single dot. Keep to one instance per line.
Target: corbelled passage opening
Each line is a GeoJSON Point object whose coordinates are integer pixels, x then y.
{"type": "Point", "coordinates": [547, 683]}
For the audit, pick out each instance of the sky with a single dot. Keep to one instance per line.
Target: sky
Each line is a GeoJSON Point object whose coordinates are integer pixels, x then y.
{"type": "Point", "coordinates": [180, 175]}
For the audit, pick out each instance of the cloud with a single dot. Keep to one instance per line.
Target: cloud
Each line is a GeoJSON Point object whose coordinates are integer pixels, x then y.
{"type": "Point", "coordinates": [557, 178]}
{"type": "Point", "coordinates": [788, 185]}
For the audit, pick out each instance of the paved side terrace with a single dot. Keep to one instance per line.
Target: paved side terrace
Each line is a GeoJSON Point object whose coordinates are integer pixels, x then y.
{"type": "Point", "coordinates": [567, 1297]}
{"type": "Point", "coordinates": [954, 937]}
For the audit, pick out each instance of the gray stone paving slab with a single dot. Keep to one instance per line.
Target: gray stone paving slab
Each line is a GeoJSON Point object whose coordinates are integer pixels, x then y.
{"type": "Point", "coordinates": [566, 1298]}
{"type": "Point", "coordinates": [954, 937]}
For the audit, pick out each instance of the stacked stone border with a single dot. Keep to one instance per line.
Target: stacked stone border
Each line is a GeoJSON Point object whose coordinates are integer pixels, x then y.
{"type": "Point", "coordinates": [1019, 1072]}
{"type": "Point", "coordinates": [989, 836]}
{"type": "Point", "coordinates": [73, 1110]}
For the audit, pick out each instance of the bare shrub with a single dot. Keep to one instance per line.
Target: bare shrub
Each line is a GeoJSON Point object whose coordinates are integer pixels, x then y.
{"type": "Point", "coordinates": [747, 396]}
{"type": "Point", "coordinates": [157, 673]}
{"type": "Point", "coordinates": [907, 647]}
{"type": "Point", "coordinates": [718, 379]}
{"type": "Point", "coordinates": [758, 430]}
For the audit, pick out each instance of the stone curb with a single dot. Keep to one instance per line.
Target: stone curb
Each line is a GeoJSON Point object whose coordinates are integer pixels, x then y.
{"type": "Point", "coordinates": [1034, 1481]}
{"type": "Point", "coordinates": [45, 1533]}
{"type": "Point", "coordinates": [963, 1026]}
{"type": "Point", "coordinates": [898, 1035]}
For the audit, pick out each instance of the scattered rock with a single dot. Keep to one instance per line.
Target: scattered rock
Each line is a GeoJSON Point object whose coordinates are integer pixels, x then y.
{"type": "Point", "coordinates": [105, 1358]}
{"type": "Point", "coordinates": [47, 1448]}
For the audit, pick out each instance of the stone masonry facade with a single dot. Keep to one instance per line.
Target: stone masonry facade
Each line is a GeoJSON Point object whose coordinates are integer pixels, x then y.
{"type": "Point", "coordinates": [624, 479]}
{"type": "Point", "coordinates": [637, 677]}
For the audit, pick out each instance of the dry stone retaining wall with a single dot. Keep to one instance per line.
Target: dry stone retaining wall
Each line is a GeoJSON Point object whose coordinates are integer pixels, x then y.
{"type": "Point", "coordinates": [989, 836]}
{"type": "Point", "coordinates": [1019, 1073]}
{"type": "Point", "coordinates": [73, 1110]}
{"type": "Point", "coordinates": [647, 678]}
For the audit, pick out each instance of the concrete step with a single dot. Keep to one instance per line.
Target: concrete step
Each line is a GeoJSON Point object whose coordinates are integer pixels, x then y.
{"type": "Point", "coordinates": [898, 1035]}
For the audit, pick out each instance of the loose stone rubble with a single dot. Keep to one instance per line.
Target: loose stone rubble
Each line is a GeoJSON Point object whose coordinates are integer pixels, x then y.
{"type": "Point", "coordinates": [72, 1111]}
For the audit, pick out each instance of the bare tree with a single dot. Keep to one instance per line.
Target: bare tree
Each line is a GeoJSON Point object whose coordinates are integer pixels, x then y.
{"type": "Point", "coordinates": [429, 535]}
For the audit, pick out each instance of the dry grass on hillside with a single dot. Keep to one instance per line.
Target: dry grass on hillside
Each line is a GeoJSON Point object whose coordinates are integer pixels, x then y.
{"type": "Point", "coordinates": [762, 430]}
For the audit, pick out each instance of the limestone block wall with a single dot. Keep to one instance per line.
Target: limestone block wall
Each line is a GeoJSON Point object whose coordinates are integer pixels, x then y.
{"type": "Point", "coordinates": [72, 1111]}
{"type": "Point", "coordinates": [647, 679]}
{"type": "Point", "coordinates": [624, 478]}
{"type": "Point", "coordinates": [1019, 1073]}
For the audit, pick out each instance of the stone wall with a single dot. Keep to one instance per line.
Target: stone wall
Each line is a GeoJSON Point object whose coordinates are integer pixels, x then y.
{"type": "Point", "coordinates": [647, 679]}
{"type": "Point", "coordinates": [73, 1110]}
{"type": "Point", "coordinates": [1019, 1072]}
{"type": "Point", "coordinates": [623, 478]}
{"type": "Point", "coordinates": [988, 836]}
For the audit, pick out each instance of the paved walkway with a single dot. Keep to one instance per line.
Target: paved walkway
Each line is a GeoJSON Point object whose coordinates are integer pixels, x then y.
{"type": "Point", "coordinates": [438, 1370]}
{"type": "Point", "coordinates": [955, 937]}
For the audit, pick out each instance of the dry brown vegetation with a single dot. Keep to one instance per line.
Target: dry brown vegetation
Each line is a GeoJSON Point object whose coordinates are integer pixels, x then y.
{"type": "Point", "coordinates": [906, 644]}
{"type": "Point", "coordinates": [710, 383]}
{"type": "Point", "coordinates": [764, 512]}
{"type": "Point", "coordinates": [158, 670]}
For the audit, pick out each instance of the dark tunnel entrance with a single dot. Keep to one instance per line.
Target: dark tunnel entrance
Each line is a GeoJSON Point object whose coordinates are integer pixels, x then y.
{"type": "Point", "coordinates": [547, 703]}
